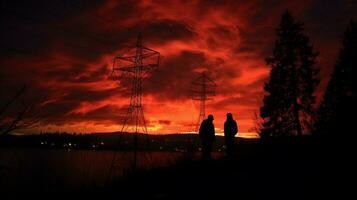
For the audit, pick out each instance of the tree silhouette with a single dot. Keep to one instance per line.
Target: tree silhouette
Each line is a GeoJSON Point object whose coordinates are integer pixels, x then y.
{"type": "Point", "coordinates": [16, 113]}
{"type": "Point", "coordinates": [288, 105]}
{"type": "Point", "coordinates": [338, 107]}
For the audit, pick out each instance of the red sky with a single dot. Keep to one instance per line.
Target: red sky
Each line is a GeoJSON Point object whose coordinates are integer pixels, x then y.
{"type": "Point", "coordinates": [63, 51]}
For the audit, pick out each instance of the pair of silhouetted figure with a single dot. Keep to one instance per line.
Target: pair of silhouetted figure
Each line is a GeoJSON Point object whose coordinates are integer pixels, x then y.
{"type": "Point", "coordinates": [207, 135]}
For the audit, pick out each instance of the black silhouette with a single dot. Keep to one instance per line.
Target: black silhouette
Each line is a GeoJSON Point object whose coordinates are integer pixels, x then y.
{"type": "Point", "coordinates": [288, 107]}
{"type": "Point", "coordinates": [146, 60]}
{"type": "Point", "coordinates": [339, 102]}
{"type": "Point", "coordinates": [207, 136]}
{"type": "Point", "coordinates": [230, 130]}
{"type": "Point", "coordinates": [16, 113]}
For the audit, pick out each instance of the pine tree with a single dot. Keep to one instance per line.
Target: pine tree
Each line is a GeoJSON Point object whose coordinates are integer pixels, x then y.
{"type": "Point", "coordinates": [338, 107]}
{"type": "Point", "coordinates": [288, 105]}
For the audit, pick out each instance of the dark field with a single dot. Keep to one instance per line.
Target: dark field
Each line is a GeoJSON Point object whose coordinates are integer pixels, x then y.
{"type": "Point", "coordinates": [290, 168]}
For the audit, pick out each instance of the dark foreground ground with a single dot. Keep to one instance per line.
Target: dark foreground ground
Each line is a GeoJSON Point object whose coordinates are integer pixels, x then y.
{"type": "Point", "coordinates": [305, 168]}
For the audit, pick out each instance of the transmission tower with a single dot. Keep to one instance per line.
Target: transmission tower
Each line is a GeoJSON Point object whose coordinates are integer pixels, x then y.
{"type": "Point", "coordinates": [203, 88]}
{"type": "Point", "coordinates": [130, 69]}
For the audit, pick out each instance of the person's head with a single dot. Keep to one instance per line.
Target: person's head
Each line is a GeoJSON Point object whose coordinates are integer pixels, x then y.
{"type": "Point", "coordinates": [210, 117]}
{"type": "Point", "coordinates": [229, 116]}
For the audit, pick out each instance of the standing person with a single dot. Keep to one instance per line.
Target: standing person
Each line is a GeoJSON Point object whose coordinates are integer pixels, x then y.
{"type": "Point", "coordinates": [207, 135]}
{"type": "Point", "coordinates": [230, 130]}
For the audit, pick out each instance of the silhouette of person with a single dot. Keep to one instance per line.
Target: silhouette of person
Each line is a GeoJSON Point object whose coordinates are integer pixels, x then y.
{"type": "Point", "coordinates": [207, 136]}
{"type": "Point", "coordinates": [230, 130]}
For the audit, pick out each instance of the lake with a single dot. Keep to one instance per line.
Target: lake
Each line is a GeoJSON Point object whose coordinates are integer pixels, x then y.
{"type": "Point", "coordinates": [46, 170]}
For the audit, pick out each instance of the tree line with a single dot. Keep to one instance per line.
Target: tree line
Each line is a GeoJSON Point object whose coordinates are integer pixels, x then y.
{"type": "Point", "coordinates": [289, 104]}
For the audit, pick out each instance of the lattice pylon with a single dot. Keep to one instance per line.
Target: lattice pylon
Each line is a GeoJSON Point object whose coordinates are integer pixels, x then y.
{"type": "Point", "coordinates": [136, 67]}
{"type": "Point", "coordinates": [203, 88]}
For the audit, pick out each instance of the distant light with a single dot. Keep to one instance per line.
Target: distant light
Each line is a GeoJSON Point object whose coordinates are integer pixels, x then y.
{"type": "Point", "coordinates": [102, 143]}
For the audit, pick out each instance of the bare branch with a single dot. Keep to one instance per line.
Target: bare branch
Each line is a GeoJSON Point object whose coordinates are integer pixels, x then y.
{"type": "Point", "coordinates": [21, 91]}
{"type": "Point", "coordinates": [22, 116]}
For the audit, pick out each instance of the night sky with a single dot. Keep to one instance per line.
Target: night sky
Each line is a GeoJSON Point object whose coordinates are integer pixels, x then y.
{"type": "Point", "coordinates": [63, 51]}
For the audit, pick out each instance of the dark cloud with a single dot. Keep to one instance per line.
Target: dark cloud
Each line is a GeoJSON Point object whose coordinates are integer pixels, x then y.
{"type": "Point", "coordinates": [258, 42]}
{"type": "Point", "coordinates": [94, 76]}
{"type": "Point", "coordinates": [86, 94]}
{"type": "Point", "coordinates": [241, 101]}
{"type": "Point", "coordinates": [165, 30]}
{"type": "Point", "coordinates": [30, 26]}
{"type": "Point", "coordinates": [164, 122]}
{"type": "Point", "coordinates": [323, 15]}
{"type": "Point", "coordinates": [107, 114]}
{"type": "Point", "coordinates": [172, 81]}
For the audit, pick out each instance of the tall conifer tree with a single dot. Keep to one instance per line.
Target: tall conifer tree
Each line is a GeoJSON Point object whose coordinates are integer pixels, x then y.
{"type": "Point", "coordinates": [338, 107]}
{"type": "Point", "coordinates": [288, 105]}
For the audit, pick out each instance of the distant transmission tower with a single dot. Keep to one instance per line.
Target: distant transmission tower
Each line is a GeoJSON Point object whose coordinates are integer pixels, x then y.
{"type": "Point", "coordinates": [203, 89]}
{"type": "Point", "coordinates": [133, 68]}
